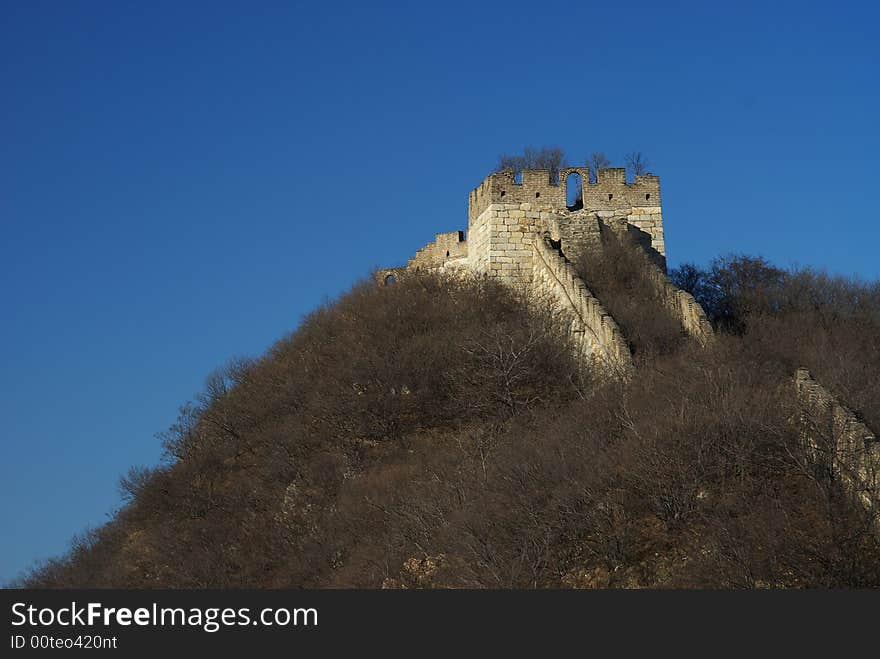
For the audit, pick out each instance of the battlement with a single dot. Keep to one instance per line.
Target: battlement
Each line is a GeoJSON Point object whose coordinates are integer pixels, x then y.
{"type": "Point", "coordinates": [446, 248]}
{"type": "Point", "coordinates": [522, 232]}
{"type": "Point", "coordinates": [610, 192]}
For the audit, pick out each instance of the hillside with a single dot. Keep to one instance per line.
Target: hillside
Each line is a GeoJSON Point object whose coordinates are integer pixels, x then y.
{"type": "Point", "coordinates": [439, 433]}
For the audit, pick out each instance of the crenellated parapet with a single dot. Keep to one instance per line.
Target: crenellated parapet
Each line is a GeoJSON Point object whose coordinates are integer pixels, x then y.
{"type": "Point", "coordinates": [521, 232]}
{"type": "Point", "coordinates": [609, 196]}
{"type": "Point", "coordinates": [447, 249]}
{"type": "Point", "coordinates": [610, 192]}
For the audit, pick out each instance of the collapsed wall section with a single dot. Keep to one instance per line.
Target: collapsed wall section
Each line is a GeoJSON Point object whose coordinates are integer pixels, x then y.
{"type": "Point", "coordinates": [578, 233]}
{"type": "Point", "coordinates": [446, 250]}
{"type": "Point", "coordinates": [597, 336]}
{"type": "Point", "coordinates": [837, 441]}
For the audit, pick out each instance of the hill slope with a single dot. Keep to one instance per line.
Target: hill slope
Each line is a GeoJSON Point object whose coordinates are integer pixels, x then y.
{"type": "Point", "coordinates": [436, 433]}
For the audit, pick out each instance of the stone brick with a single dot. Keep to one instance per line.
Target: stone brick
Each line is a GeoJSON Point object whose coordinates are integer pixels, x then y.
{"type": "Point", "coordinates": [506, 224]}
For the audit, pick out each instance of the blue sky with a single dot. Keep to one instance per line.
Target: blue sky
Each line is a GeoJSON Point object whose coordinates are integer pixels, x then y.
{"type": "Point", "coordinates": [180, 182]}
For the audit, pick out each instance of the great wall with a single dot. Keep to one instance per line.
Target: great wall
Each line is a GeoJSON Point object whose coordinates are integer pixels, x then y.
{"type": "Point", "coordinates": [522, 231]}
{"type": "Point", "coordinates": [838, 445]}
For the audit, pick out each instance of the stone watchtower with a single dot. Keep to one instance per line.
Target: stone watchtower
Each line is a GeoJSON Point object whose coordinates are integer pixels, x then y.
{"type": "Point", "coordinates": [505, 215]}
{"type": "Point", "coordinates": [522, 232]}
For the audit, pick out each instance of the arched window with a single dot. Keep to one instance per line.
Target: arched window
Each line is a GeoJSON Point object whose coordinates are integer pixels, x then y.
{"type": "Point", "coordinates": [574, 191]}
{"type": "Point", "coordinates": [390, 279]}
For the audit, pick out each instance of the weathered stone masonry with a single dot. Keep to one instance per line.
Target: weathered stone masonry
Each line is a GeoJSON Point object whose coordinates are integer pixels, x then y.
{"type": "Point", "coordinates": [596, 334]}
{"type": "Point", "coordinates": [521, 232]}
{"type": "Point", "coordinates": [837, 442]}
{"type": "Point", "coordinates": [447, 250]}
{"type": "Point", "coordinates": [609, 196]}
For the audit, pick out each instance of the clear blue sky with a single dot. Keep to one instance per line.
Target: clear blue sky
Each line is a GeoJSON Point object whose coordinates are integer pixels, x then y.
{"type": "Point", "coordinates": [180, 182]}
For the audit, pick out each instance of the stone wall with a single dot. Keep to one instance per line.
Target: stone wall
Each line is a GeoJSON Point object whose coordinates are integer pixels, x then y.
{"type": "Point", "coordinates": [596, 334]}
{"type": "Point", "coordinates": [501, 240]}
{"type": "Point", "coordinates": [387, 276]}
{"type": "Point", "coordinates": [579, 233]}
{"type": "Point", "coordinates": [837, 442]}
{"type": "Point", "coordinates": [649, 220]}
{"type": "Point", "coordinates": [445, 248]}
{"type": "Point", "coordinates": [609, 196]}
{"type": "Point", "coordinates": [508, 217]}
{"type": "Point", "coordinates": [502, 188]}
{"type": "Point", "coordinates": [681, 304]}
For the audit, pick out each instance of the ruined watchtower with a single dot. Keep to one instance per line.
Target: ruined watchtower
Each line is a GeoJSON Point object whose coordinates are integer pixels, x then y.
{"type": "Point", "coordinates": [508, 212]}
{"type": "Point", "coordinates": [522, 231]}
{"type": "Point", "coordinates": [505, 215]}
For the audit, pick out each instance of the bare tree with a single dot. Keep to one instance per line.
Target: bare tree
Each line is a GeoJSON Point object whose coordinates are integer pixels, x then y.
{"type": "Point", "coordinates": [636, 163]}
{"type": "Point", "coordinates": [133, 483]}
{"type": "Point", "coordinates": [597, 160]}
{"type": "Point", "coordinates": [551, 158]}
